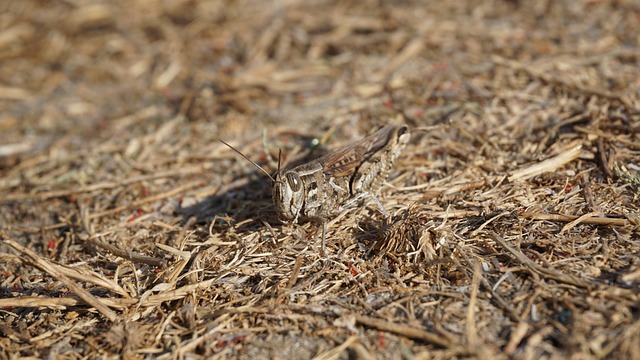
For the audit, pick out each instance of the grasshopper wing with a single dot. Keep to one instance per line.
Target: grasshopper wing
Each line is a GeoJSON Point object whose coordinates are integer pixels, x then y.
{"type": "Point", "coordinates": [345, 162]}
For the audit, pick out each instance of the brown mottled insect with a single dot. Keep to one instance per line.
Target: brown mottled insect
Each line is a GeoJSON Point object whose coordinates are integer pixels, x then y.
{"type": "Point", "coordinates": [325, 186]}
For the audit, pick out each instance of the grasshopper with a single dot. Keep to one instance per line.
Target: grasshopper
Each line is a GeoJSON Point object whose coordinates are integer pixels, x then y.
{"type": "Point", "coordinates": [322, 188]}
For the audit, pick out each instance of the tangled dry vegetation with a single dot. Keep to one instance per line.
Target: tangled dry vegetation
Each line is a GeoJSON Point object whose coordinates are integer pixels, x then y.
{"type": "Point", "coordinates": [128, 230]}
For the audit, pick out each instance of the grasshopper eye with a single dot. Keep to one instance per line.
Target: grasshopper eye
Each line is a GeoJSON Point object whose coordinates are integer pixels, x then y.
{"type": "Point", "coordinates": [294, 181]}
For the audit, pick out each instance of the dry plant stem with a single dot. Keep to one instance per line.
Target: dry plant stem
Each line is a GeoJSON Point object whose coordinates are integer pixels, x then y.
{"type": "Point", "coordinates": [502, 304]}
{"type": "Point", "coordinates": [148, 301]}
{"type": "Point", "coordinates": [548, 165]}
{"type": "Point", "coordinates": [295, 272]}
{"type": "Point", "coordinates": [517, 335]}
{"type": "Point", "coordinates": [59, 303]}
{"type": "Point", "coordinates": [134, 204]}
{"type": "Point", "coordinates": [579, 220]}
{"type": "Point", "coordinates": [84, 276]}
{"type": "Point", "coordinates": [96, 241]}
{"type": "Point", "coordinates": [587, 193]}
{"type": "Point", "coordinates": [52, 303]}
{"type": "Point", "coordinates": [604, 160]}
{"type": "Point", "coordinates": [336, 351]}
{"type": "Point", "coordinates": [190, 345]}
{"type": "Point", "coordinates": [34, 230]}
{"type": "Point", "coordinates": [115, 251]}
{"type": "Point", "coordinates": [568, 218]}
{"type": "Point", "coordinates": [170, 193]}
{"type": "Point", "coordinates": [467, 186]}
{"type": "Point", "coordinates": [404, 330]}
{"type": "Point", "coordinates": [104, 185]}
{"type": "Point", "coordinates": [380, 324]}
{"type": "Point", "coordinates": [608, 136]}
{"type": "Point", "coordinates": [472, 336]}
{"type": "Point", "coordinates": [499, 301]}
{"type": "Point", "coordinates": [35, 260]}
{"type": "Point", "coordinates": [179, 293]}
{"type": "Point", "coordinates": [553, 274]}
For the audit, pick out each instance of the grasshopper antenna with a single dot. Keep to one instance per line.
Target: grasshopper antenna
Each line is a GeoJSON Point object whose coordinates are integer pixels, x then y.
{"type": "Point", "coordinates": [253, 162]}
{"type": "Point", "coordinates": [279, 157]}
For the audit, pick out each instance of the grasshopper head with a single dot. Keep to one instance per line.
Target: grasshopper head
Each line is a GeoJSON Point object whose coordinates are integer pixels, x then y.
{"type": "Point", "coordinates": [288, 195]}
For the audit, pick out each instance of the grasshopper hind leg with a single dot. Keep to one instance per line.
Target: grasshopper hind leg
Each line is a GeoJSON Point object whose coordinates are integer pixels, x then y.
{"type": "Point", "coordinates": [378, 204]}
{"type": "Point", "coordinates": [371, 196]}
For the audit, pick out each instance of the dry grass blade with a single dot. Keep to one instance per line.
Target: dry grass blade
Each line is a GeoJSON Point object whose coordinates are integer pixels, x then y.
{"type": "Point", "coordinates": [64, 302]}
{"type": "Point", "coordinates": [106, 185]}
{"type": "Point", "coordinates": [39, 302]}
{"type": "Point", "coordinates": [584, 219]}
{"type": "Point", "coordinates": [548, 165]}
{"type": "Point", "coordinates": [150, 199]}
{"type": "Point", "coordinates": [404, 330]}
{"type": "Point", "coordinates": [549, 273]}
{"type": "Point", "coordinates": [190, 345]}
{"type": "Point", "coordinates": [35, 260]}
{"type": "Point", "coordinates": [472, 335]}
{"type": "Point", "coordinates": [338, 350]}
{"type": "Point", "coordinates": [171, 295]}
{"type": "Point", "coordinates": [137, 258]}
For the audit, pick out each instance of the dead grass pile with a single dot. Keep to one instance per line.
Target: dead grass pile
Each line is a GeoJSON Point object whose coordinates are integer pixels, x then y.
{"type": "Point", "coordinates": [129, 230]}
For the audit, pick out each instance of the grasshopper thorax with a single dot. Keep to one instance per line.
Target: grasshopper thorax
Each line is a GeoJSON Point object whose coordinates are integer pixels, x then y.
{"type": "Point", "coordinates": [288, 195]}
